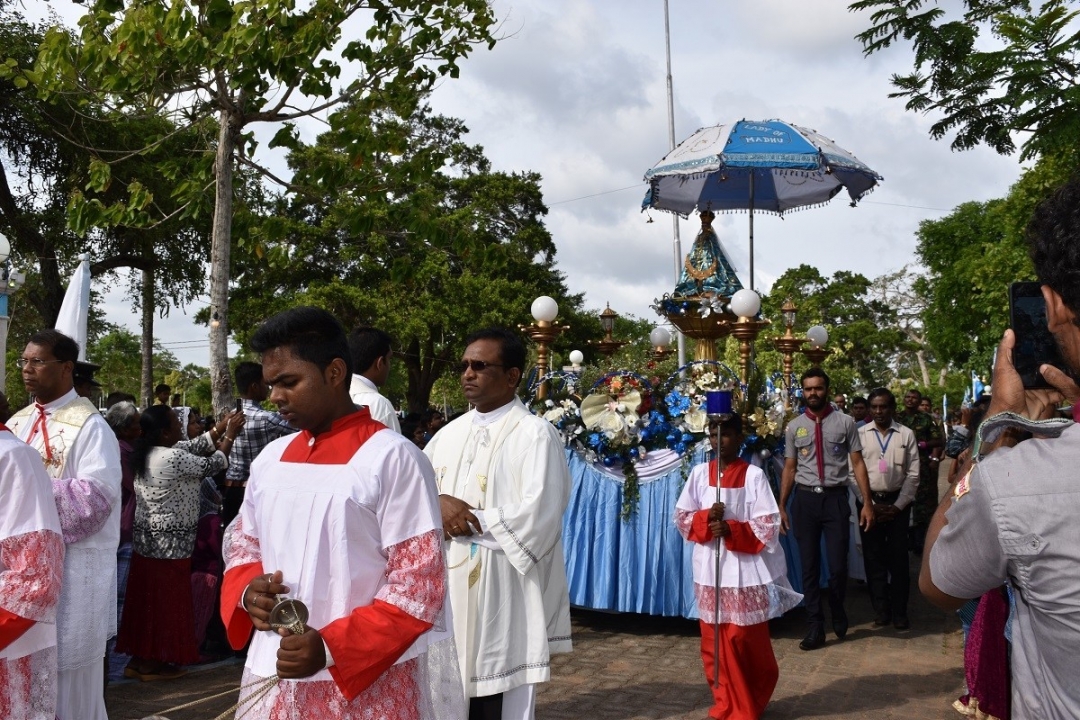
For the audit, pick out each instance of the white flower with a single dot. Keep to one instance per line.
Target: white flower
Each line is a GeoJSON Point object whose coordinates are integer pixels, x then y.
{"type": "Point", "coordinates": [695, 420]}
{"type": "Point", "coordinates": [554, 416]}
{"type": "Point", "coordinates": [707, 381]}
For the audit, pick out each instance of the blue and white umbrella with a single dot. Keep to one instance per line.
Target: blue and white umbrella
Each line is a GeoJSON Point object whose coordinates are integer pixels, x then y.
{"type": "Point", "coordinates": [768, 166]}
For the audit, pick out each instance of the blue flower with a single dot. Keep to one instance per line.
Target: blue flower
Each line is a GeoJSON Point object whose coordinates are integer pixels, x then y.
{"type": "Point", "coordinates": [595, 440]}
{"type": "Point", "coordinates": [677, 403]}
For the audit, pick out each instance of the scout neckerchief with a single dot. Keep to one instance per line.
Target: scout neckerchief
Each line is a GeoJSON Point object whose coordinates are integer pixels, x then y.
{"type": "Point", "coordinates": [819, 440]}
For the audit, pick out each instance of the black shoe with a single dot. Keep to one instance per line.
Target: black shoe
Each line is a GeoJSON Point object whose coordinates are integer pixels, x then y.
{"type": "Point", "coordinates": [812, 641]}
{"type": "Point", "coordinates": [882, 620]}
{"type": "Point", "coordinates": [840, 624]}
{"type": "Point", "coordinates": [901, 623]}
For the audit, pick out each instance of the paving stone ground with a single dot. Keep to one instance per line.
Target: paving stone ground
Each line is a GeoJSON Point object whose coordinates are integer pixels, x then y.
{"type": "Point", "coordinates": [638, 667]}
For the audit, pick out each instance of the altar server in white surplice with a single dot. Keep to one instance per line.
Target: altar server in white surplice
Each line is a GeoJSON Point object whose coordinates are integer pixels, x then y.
{"type": "Point", "coordinates": [344, 517]}
{"type": "Point", "coordinates": [82, 456]}
{"type": "Point", "coordinates": [371, 354]}
{"type": "Point", "coordinates": [31, 567]}
{"type": "Point", "coordinates": [504, 486]}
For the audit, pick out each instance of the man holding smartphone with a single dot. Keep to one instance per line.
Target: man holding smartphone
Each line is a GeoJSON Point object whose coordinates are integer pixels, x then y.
{"type": "Point", "coordinates": [1011, 518]}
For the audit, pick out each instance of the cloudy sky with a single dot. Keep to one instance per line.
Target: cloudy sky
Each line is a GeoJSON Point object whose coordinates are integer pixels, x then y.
{"type": "Point", "coordinates": [576, 91]}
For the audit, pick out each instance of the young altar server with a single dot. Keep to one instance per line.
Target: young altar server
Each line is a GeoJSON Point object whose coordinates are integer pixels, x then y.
{"type": "Point", "coordinates": [753, 574]}
{"type": "Point", "coordinates": [344, 517]}
{"type": "Point", "coordinates": [31, 568]}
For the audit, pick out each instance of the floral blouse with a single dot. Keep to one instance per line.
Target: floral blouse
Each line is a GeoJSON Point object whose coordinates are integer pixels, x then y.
{"type": "Point", "coordinates": [167, 497]}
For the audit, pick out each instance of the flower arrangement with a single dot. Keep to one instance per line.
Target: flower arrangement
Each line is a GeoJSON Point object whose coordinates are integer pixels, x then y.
{"type": "Point", "coordinates": [766, 416]}
{"type": "Point", "coordinates": [625, 416]}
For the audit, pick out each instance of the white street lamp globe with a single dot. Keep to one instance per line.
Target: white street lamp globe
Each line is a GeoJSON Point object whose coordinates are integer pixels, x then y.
{"type": "Point", "coordinates": [745, 303]}
{"type": "Point", "coordinates": [544, 309]}
{"type": "Point", "coordinates": [5, 248]}
{"type": "Point", "coordinates": [576, 357]}
{"type": "Point", "coordinates": [817, 336]}
{"type": "Point", "coordinates": [660, 337]}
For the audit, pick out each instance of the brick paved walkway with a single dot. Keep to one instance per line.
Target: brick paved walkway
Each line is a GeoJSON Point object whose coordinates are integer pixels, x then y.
{"type": "Point", "coordinates": [630, 667]}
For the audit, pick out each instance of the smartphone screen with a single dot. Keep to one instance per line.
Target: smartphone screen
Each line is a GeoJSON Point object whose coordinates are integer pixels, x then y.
{"type": "Point", "coordinates": [1034, 344]}
{"type": "Point", "coordinates": [239, 405]}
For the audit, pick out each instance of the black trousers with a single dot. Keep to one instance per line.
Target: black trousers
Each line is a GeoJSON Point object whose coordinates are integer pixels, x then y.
{"type": "Point", "coordinates": [487, 707]}
{"type": "Point", "coordinates": [885, 557]}
{"type": "Point", "coordinates": [814, 515]}
{"type": "Point", "coordinates": [232, 499]}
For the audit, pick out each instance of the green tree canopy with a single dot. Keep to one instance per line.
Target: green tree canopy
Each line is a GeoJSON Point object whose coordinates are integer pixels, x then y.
{"type": "Point", "coordinates": [971, 257]}
{"type": "Point", "coordinates": [864, 337]}
{"type": "Point", "coordinates": [425, 242]}
{"type": "Point", "coordinates": [242, 62]}
{"type": "Point", "coordinates": [990, 69]}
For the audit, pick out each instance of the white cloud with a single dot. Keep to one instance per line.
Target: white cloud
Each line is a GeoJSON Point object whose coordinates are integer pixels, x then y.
{"type": "Point", "coordinates": [577, 93]}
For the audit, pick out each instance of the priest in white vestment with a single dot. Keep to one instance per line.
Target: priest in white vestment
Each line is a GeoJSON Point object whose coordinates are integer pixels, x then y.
{"type": "Point", "coordinates": [504, 487]}
{"type": "Point", "coordinates": [31, 568]}
{"type": "Point", "coordinates": [82, 456]}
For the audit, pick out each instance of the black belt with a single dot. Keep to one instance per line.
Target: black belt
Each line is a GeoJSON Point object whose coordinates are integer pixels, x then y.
{"type": "Point", "coordinates": [885, 497]}
{"type": "Point", "coordinates": [819, 489]}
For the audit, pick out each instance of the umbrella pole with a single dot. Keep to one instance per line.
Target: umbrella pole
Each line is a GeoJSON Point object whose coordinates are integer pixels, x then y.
{"type": "Point", "coordinates": [751, 228]}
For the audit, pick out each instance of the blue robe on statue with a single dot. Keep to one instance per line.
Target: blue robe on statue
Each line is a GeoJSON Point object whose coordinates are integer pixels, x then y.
{"type": "Point", "coordinates": [706, 269]}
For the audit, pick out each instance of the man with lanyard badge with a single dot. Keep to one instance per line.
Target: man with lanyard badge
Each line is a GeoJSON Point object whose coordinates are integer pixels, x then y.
{"type": "Point", "coordinates": [892, 461]}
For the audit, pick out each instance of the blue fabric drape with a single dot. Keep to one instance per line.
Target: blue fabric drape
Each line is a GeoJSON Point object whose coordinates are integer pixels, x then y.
{"type": "Point", "coordinates": [642, 565]}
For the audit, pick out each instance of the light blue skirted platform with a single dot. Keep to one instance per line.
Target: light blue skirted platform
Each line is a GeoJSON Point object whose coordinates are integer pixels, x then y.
{"type": "Point", "coordinates": [641, 565]}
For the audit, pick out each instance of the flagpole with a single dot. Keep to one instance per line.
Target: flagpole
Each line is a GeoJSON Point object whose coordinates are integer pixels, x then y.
{"type": "Point", "coordinates": [676, 240]}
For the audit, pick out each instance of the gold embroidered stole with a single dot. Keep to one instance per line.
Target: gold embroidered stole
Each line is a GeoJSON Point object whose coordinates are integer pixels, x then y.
{"type": "Point", "coordinates": [65, 423]}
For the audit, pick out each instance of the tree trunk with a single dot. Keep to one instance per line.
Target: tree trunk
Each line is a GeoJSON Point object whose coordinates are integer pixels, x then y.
{"type": "Point", "coordinates": [924, 371]}
{"type": "Point", "coordinates": [220, 246]}
{"type": "Point", "coordinates": [423, 369]}
{"type": "Point", "coordinates": [146, 385]}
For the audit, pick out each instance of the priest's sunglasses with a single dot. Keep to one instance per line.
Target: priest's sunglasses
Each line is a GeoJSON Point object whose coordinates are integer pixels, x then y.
{"type": "Point", "coordinates": [478, 366]}
{"type": "Point", "coordinates": [33, 363]}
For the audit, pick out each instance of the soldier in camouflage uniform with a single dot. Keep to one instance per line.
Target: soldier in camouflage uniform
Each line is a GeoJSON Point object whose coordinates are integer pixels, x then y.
{"type": "Point", "coordinates": [929, 437]}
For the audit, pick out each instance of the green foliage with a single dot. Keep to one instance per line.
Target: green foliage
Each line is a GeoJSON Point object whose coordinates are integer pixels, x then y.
{"type": "Point", "coordinates": [996, 68]}
{"type": "Point", "coordinates": [192, 382]}
{"type": "Point", "coordinates": [425, 242]}
{"type": "Point", "coordinates": [245, 61]}
{"type": "Point", "coordinates": [119, 354]}
{"type": "Point", "coordinates": [863, 335]}
{"type": "Point", "coordinates": [971, 257]}
{"type": "Point", "coordinates": [54, 185]}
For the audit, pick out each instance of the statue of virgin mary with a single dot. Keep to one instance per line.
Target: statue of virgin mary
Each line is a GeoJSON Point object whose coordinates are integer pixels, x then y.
{"type": "Point", "coordinates": [706, 269]}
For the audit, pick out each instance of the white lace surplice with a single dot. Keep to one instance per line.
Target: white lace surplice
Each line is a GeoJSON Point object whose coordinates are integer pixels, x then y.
{"type": "Point", "coordinates": [753, 586]}
{"type": "Point", "coordinates": [86, 488]}
{"type": "Point", "coordinates": [345, 535]}
{"type": "Point", "coordinates": [31, 568]}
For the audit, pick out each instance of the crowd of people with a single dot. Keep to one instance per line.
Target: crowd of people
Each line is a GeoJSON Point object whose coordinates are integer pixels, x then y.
{"type": "Point", "coordinates": [158, 539]}
{"type": "Point", "coordinates": [366, 565]}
